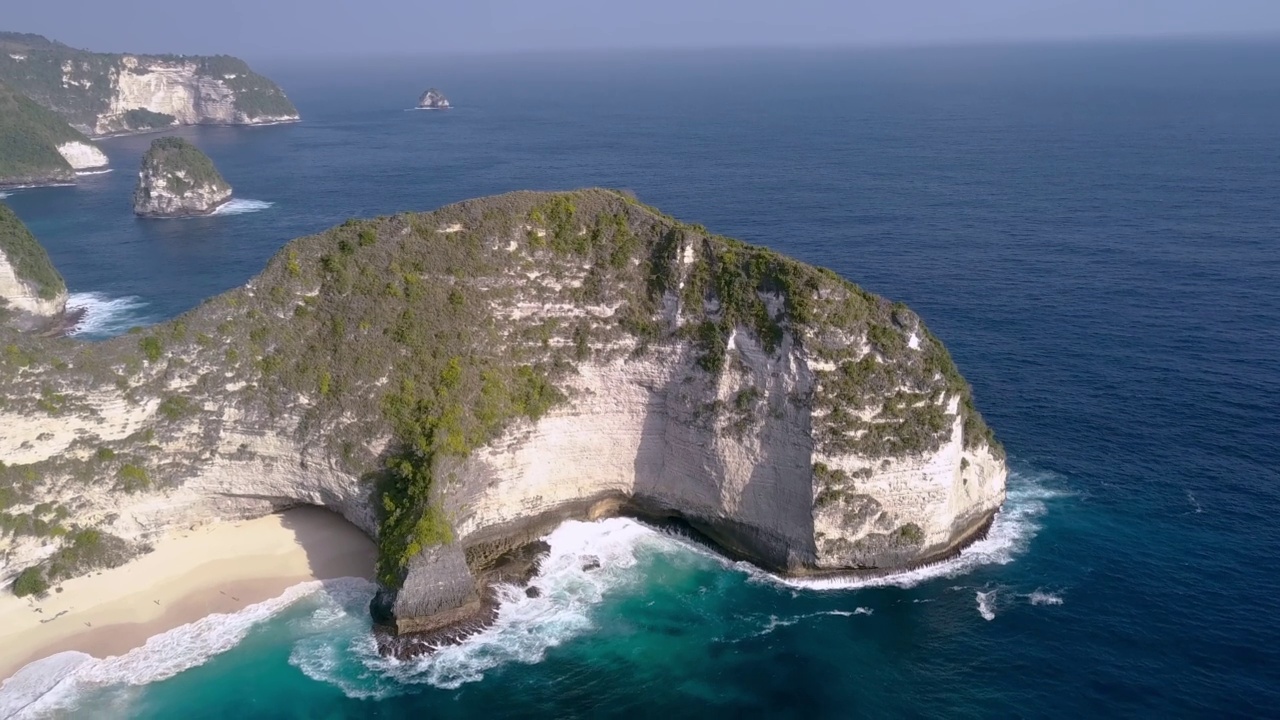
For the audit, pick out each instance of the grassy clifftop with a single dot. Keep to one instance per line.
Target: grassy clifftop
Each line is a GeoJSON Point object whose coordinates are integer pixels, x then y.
{"type": "Point", "coordinates": [29, 140]}
{"type": "Point", "coordinates": [428, 330]}
{"type": "Point", "coordinates": [182, 165]}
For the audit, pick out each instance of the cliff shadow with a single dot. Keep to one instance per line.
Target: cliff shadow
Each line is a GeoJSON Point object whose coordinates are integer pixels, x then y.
{"type": "Point", "coordinates": [334, 547]}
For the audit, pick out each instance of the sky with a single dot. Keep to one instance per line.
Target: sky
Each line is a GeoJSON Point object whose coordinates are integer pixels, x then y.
{"type": "Point", "coordinates": [282, 28]}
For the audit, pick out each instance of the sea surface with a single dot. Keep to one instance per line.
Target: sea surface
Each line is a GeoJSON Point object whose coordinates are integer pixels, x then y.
{"type": "Point", "coordinates": [1094, 230]}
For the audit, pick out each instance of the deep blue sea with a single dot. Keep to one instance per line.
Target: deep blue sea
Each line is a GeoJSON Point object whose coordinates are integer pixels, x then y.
{"type": "Point", "coordinates": [1094, 230]}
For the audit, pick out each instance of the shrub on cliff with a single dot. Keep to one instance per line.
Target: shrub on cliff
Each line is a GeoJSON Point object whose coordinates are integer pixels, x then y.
{"type": "Point", "coordinates": [30, 582]}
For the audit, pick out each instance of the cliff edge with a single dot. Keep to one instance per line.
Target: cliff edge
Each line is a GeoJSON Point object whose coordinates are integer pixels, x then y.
{"type": "Point", "coordinates": [114, 93]}
{"type": "Point", "coordinates": [178, 180]}
{"type": "Point", "coordinates": [32, 293]}
{"type": "Point", "coordinates": [37, 147]}
{"type": "Point", "coordinates": [458, 382]}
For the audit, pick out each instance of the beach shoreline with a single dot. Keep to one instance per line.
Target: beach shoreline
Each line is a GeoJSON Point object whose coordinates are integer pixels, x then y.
{"type": "Point", "coordinates": [194, 572]}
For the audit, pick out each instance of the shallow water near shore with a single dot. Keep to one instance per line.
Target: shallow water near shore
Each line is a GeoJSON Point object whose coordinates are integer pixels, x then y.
{"type": "Point", "coordinates": [1090, 229]}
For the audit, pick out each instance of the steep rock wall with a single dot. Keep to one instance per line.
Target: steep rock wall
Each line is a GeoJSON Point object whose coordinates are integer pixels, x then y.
{"type": "Point", "coordinates": [817, 429]}
{"type": "Point", "coordinates": [24, 296]}
{"type": "Point", "coordinates": [83, 156]}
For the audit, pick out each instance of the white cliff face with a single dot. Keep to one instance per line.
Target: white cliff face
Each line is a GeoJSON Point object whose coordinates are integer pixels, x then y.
{"type": "Point", "coordinates": [178, 89]}
{"type": "Point", "coordinates": [749, 451]}
{"type": "Point", "coordinates": [82, 156]}
{"type": "Point", "coordinates": [433, 100]}
{"type": "Point", "coordinates": [25, 297]}
{"type": "Point", "coordinates": [249, 473]}
{"type": "Point", "coordinates": [159, 196]}
{"type": "Point", "coordinates": [641, 430]}
{"type": "Point", "coordinates": [176, 195]}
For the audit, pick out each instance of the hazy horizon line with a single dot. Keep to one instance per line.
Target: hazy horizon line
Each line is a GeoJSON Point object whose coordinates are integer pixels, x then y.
{"type": "Point", "coordinates": [957, 44]}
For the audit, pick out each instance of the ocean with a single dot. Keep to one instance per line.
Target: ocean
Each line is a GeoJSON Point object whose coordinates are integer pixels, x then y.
{"type": "Point", "coordinates": [1094, 231]}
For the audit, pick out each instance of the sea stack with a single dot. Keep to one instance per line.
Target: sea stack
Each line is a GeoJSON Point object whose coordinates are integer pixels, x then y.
{"type": "Point", "coordinates": [433, 99]}
{"type": "Point", "coordinates": [177, 180]}
{"type": "Point", "coordinates": [32, 293]}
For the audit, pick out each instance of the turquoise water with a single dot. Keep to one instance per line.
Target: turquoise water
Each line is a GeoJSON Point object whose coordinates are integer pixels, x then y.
{"type": "Point", "coordinates": [1091, 229]}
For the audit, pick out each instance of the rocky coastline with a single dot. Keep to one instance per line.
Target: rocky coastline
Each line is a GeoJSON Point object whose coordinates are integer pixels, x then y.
{"type": "Point", "coordinates": [576, 356]}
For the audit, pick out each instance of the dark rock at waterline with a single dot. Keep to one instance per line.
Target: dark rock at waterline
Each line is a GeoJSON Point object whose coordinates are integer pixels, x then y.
{"type": "Point", "coordinates": [443, 602]}
{"type": "Point", "coordinates": [532, 592]}
{"type": "Point", "coordinates": [591, 563]}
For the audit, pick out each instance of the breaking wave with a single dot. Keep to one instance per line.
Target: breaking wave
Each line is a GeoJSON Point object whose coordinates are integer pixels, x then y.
{"type": "Point", "coordinates": [106, 316]}
{"type": "Point", "coordinates": [587, 561]}
{"type": "Point", "coordinates": [103, 171]}
{"type": "Point", "coordinates": [1040, 597]}
{"type": "Point", "coordinates": [238, 206]}
{"type": "Point", "coordinates": [987, 604]}
{"type": "Point", "coordinates": [61, 681]}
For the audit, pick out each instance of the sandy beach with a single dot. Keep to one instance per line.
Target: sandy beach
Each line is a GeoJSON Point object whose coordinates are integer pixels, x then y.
{"type": "Point", "coordinates": [215, 568]}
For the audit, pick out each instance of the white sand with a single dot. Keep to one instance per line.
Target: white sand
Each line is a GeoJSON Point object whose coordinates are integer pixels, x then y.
{"type": "Point", "coordinates": [220, 568]}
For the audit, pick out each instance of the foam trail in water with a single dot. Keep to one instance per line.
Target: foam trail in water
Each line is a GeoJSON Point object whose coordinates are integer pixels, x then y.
{"type": "Point", "coordinates": [106, 316]}
{"type": "Point", "coordinates": [58, 682]}
{"type": "Point", "coordinates": [93, 172]}
{"type": "Point", "coordinates": [238, 206]}
{"type": "Point", "coordinates": [1195, 504]}
{"type": "Point", "coordinates": [987, 605]}
{"type": "Point", "coordinates": [1039, 597]}
{"type": "Point", "coordinates": [4, 195]}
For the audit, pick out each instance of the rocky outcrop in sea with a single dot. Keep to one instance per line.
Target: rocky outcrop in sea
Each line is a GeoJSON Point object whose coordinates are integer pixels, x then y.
{"type": "Point", "coordinates": [433, 99]}
{"type": "Point", "coordinates": [178, 180]}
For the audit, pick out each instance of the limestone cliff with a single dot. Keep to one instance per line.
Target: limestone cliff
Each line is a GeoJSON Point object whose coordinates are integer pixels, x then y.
{"type": "Point", "coordinates": [457, 382]}
{"type": "Point", "coordinates": [32, 293]}
{"type": "Point", "coordinates": [37, 147]}
{"type": "Point", "coordinates": [433, 99]}
{"type": "Point", "coordinates": [105, 93]}
{"type": "Point", "coordinates": [177, 180]}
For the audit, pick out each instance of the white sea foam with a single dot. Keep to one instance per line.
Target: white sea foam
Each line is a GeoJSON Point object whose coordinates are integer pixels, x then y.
{"type": "Point", "coordinates": [1195, 504]}
{"type": "Point", "coordinates": [1014, 527]}
{"type": "Point", "coordinates": [58, 682]}
{"type": "Point", "coordinates": [335, 644]}
{"type": "Point", "coordinates": [105, 315]}
{"type": "Point", "coordinates": [1039, 597]}
{"type": "Point", "coordinates": [103, 171]}
{"type": "Point", "coordinates": [987, 605]}
{"type": "Point", "coordinates": [527, 627]}
{"type": "Point", "coordinates": [238, 206]}
{"type": "Point", "coordinates": [4, 195]}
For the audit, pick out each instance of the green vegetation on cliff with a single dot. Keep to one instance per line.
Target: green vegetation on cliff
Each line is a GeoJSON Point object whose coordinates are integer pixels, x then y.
{"type": "Point", "coordinates": [256, 96]}
{"type": "Point", "coordinates": [30, 261]}
{"type": "Point", "coordinates": [140, 119]}
{"type": "Point", "coordinates": [389, 349]}
{"type": "Point", "coordinates": [29, 140]}
{"type": "Point", "coordinates": [183, 165]}
{"type": "Point", "coordinates": [79, 84]}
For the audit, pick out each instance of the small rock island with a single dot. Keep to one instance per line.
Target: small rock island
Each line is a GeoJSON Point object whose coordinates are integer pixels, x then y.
{"type": "Point", "coordinates": [433, 99]}
{"type": "Point", "coordinates": [178, 180]}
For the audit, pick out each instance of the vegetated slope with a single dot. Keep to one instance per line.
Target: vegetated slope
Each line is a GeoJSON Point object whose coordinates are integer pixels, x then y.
{"type": "Point", "coordinates": [103, 93]}
{"type": "Point", "coordinates": [29, 140]}
{"type": "Point", "coordinates": [380, 349]}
